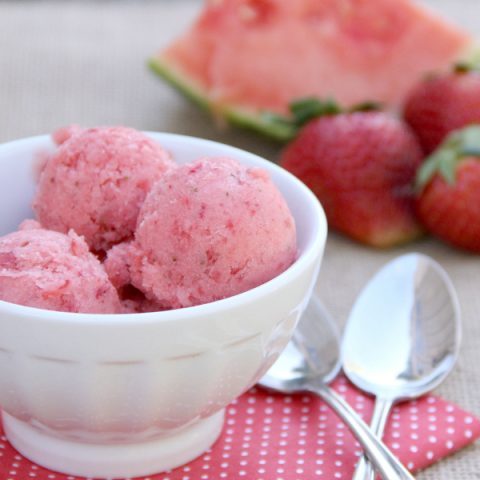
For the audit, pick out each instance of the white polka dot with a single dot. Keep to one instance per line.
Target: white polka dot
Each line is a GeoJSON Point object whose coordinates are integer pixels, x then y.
{"type": "Point", "coordinates": [299, 470]}
{"type": "Point", "coordinates": [395, 446]}
{"type": "Point", "coordinates": [413, 448]}
{"type": "Point", "coordinates": [449, 444]}
{"type": "Point", "coordinates": [468, 433]}
{"type": "Point", "coordinates": [468, 420]}
{"type": "Point", "coordinates": [432, 439]}
{"type": "Point", "coordinates": [450, 419]}
{"type": "Point", "coordinates": [410, 465]}
{"type": "Point", "coordinates": [430, 455]}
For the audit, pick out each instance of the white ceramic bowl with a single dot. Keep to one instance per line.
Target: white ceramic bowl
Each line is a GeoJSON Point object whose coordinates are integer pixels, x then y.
{"type": "Point", "coordinates": [130, 395]}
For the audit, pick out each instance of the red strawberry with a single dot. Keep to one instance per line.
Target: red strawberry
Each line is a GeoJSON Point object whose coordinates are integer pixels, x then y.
{"type": "Point", "coordinates": [441, 104]}
{"type": "Point", "coordinates": [361, 166]}
{"type": "Point", "coordinates": [449, 184]}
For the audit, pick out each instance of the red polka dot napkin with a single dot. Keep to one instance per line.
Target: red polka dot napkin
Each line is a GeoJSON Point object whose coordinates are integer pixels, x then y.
{"type": "Point", "coordinates": [277, 437]}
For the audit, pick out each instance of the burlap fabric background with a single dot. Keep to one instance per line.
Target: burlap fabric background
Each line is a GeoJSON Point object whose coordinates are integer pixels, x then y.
{"type": "Point", "coordinates": [83, 62]}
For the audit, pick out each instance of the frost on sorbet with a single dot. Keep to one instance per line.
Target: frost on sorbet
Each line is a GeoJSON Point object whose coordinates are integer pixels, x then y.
{"type": "Point", "coordinates": [208, 230]}
{"type": "Point", "coordinates": [55, 271]}
{"type": "Point", "coordinates": [96, 181]}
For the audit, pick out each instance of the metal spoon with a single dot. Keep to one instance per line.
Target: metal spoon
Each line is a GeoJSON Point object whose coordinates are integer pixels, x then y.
{"type": "Point", "coordinates": [402, 336]}
{"type": "Point", "coordinates": [311, 360]}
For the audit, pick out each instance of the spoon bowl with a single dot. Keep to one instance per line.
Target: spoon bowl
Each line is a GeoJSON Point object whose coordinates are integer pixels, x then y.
{"type": "Point", "coordinates": [308, 363]}
{"type": "Point", "coordinates": [403, 335]}
{"type": "Point", "coordinates": [312, 353]}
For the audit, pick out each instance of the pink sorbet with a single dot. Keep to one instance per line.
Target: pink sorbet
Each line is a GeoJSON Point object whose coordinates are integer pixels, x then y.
{"type": "Point", "coordinates": [55, 271]}
{"type": "Point", "coordinates": [96, 182]}
{"type": "Point", "coordinates": [116, 265]}
{"type": "Point", "coordinates": [208, 230]}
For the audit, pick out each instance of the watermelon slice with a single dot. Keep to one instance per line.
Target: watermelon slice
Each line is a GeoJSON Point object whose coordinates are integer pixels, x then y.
{"type": "Point", "coordinates": [244, 57]}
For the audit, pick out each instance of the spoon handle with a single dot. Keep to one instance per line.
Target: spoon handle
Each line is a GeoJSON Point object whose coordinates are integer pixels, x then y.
{"type": "Point", "coordinates": [383, 460]}
{"type": "Point", "coordinates": [364, 470]}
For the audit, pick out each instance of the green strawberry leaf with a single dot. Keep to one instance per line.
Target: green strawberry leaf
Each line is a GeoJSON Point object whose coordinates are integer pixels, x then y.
{"type": "Point", "coordinates": [369, 106]}
{"type": "Point", "coordinates": [306, 109]}
{"type": "Point", "coordinates": [459, 145]}
{"type": "Point", "coordinates": [447, 162]}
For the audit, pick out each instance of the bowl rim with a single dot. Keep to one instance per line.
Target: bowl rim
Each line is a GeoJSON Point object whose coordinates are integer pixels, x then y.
{"type": "Point", "coordinates": [308, 256]}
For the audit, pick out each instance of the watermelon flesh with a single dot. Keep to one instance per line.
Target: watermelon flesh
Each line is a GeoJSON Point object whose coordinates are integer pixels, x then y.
{"type": "Point", "coordinates": [242, 57]}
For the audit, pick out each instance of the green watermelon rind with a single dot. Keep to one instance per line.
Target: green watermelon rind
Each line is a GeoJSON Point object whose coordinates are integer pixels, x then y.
{"type": "Point", "coordinates": [236, 116]}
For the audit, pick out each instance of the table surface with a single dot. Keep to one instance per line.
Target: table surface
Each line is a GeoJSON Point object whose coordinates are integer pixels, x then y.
{"type": "Point", "coordinates": [84, 62]}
